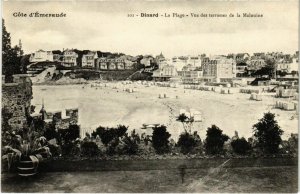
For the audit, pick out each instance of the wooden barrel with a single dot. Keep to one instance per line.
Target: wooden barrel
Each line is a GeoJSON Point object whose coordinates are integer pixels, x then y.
{"type": "Point", "coordinates": [28, 165]}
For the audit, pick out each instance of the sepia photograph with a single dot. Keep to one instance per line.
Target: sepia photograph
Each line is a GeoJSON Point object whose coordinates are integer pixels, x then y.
{"type": "Point", "coordinates": [163, 96]}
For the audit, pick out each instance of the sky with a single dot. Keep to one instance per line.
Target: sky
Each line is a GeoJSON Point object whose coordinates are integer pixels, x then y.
{"type": "Point", "coordinates": [103, 25]}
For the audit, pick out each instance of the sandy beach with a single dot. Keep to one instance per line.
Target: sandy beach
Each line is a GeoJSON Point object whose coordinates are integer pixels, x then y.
{"type": "Point", "coordinates": [110, 106]}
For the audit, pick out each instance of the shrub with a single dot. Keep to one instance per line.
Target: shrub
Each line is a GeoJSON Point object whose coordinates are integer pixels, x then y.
{"type": "Point", "coordinates": [112, 147]}
{"type": "Point", "coordinates": [55, 150]}
{"type": "Point", "coordinates": [89, 149]}
{"type": "Point", "coordinates": [268, 134]}
{"type": "Point", "coordinates": [129, 146]}
{"type": "Point", "coordinates": [69, 149]}
{"type": "Point", "coordinates": [214, 141]}
{"type": "Point", "coordinates": [69, 134]}
{"type": "Point", "coordinates": [240, 146]}
{"type": "Point", "coordinates": [160, 139]}
{"type": "Point", "coordinates": [187, 142]}
{"type": "Point", "coordinates": [51, 133]}
{"type": "Point", "coordinates": [108, 134]}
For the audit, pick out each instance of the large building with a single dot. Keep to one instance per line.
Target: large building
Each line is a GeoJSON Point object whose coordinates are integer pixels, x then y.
{"type": "Point", "coordinates": [165, 73]}
{"type": "Point", "coordinates": [120, 63]}
{"type": "Point", "coordinates": [218, 68]}
{"type": "Point", "coordinates": [89, 60]}
{"type": "Point", "coordinates": [181, 61]}
{"type": "Point", "coordinates": [191, 75]}
{"type": "Point", "coordinates": [70, 58]}
{"type": "Point", "coordinates": [287, 65]}
{"type": "Point", "coordinates": [40, 56]}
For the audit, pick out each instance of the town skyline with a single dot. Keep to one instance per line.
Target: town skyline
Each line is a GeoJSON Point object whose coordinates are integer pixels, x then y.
{"type": "Point", "coordinates": [107, 28]}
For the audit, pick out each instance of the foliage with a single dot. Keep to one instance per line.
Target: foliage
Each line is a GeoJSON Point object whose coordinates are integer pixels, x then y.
{"type": "Point", "coordinates": [268, 134]}
{"type": "Point", "coordinates": [11, 59]}
{"type": "Point", "coordinates": [5, 127]}
{"type": "Point", "coordinates": [112, 146]}
{"type": "Point", "coordinates": [186, 121]}
{"type": "Point", "coordinates": [240, 146]}
{"type": "Point", "coordinates": [187, 142]}
{"type": "Point", "coordinates": [89, 148]}
{"type": "Point", "coordinates": [55, 149]}
{"type": "Point", "coordinates": [108, 134]}
{"type": "Point", "coordinates": [129, 144]}
{"type": "Point", "coordinates": [70, 134]}
{"type": "Point", "coordinates": [290, 146]}
{"type": "Point", "coordinates": [160, 139]}
{"type": "Point", "coordinates": [68, 139]}
{"type": "Point", "coordinates": [267, 70]}
{"type": "Point", "coordinates": [141, 76]}
{"type": "Point", "coordinates": [24, 62]}
{"type": "Point", "coordinates": [215, 140]}
{"type": "Point", "coordinates": [116, 74]}
{"type": "Point", "coordinates": [26, 143]}
{"type": "Point", "coordinates": [51, 133]}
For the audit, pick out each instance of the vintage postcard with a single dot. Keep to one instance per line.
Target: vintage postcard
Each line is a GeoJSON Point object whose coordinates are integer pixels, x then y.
{"type": "Point", "coordinates": [150, 96]}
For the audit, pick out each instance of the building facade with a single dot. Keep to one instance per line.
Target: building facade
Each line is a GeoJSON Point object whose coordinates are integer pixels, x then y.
{"type": "Point", "coordinates": [89, 60]}
{"type": "Point", "coordinates": [121, 63]}
{"type": "Point", "coordinates": [218, 69]}
{"type": "Point", "coordinates": [287, 66]}
{"type": "Point", "coordinates": [70, 58]}
{"type": "Point", "coordinates": [40, 56]}
{"type": "Point", "coordinates": [165, 73]}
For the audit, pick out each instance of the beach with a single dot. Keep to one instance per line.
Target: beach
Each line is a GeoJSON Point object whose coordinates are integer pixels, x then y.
{"type": "Point", "coordinates": [108, 105]}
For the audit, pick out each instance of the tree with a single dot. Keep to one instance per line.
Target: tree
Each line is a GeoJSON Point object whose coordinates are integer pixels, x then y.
{"type": "Point", "coordinates": [268, 134]}
{"type": "Point", "coordinates": [160, 139]}
{"type": "Point", "coordinates": [187, 142]}
{"type": "Point", "coordinates": [186, 121]}
{"type": "Point", "coordinates": [182, 118]}
{"type": "Point", "coordinates": [215, 140]}
{"type": "Point", "coordinates": [268, 69]}
{"type": "Point", "coordinates": [11, 59]}
{"type": "Point", "coordinates": [240, 146]}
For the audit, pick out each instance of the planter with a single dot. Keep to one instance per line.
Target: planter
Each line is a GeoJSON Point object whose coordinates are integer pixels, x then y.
{"type": "Point", "coordinates": [28, 165]}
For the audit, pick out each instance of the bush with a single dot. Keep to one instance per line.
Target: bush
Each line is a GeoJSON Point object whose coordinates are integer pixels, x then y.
{"type": "Point", "coordinates": [187, 142]}
{"type": "Point", "coordinates": [140, 76]}
{"type": "Point", "coordinates": [55, 150]}
{"type": "Point", "coordinates": [51, 133]}
{"type": "Point", "coordinates": [268, 134]}
{"type": "Point", "coordinates": [70, 134]}
{"type": "Point", "coordinates": [89, 149]}
{"type": "Point", "coordinates": [160, 139]}
{"type": "Point", "coordinates": [129, 144]}
{"type": "Point", "coordinates": [109, 134]}
{"type": "Point", "coordinates": [240, 146]}
{"type": "Point", "coordinates": [112, 147]}
{"type": "Point", "coordinates": [69, 149]}
{"type": "Point", "coordinates": [215, 140]}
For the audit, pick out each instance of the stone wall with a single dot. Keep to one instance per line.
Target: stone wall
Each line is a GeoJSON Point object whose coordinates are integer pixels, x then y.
{"type": "Point", "coordinates": [16, 99]}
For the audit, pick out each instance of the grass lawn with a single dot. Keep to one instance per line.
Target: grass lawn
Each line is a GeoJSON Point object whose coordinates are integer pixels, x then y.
{"type": "Point", "coordinates": [246, 179]}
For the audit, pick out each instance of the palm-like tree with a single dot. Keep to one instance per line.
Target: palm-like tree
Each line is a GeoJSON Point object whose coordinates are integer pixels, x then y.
{"type": "Point", "coordinates": [186, 121]}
